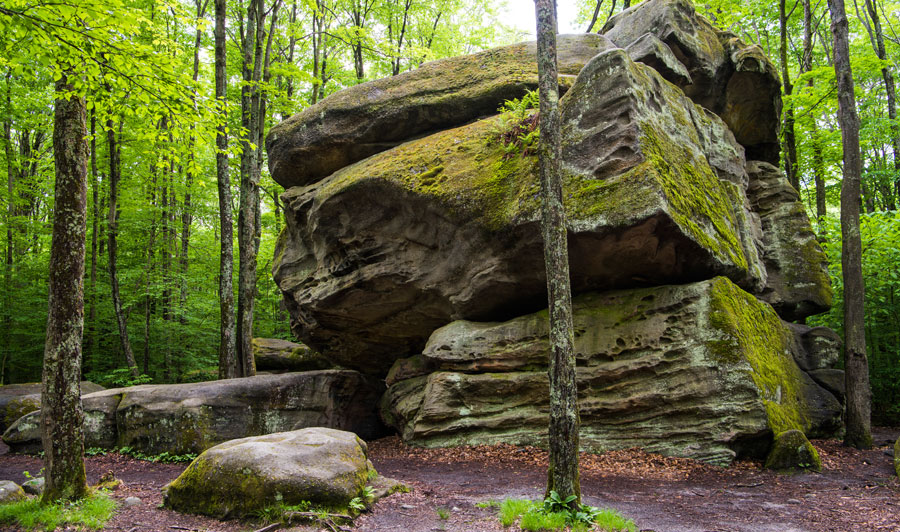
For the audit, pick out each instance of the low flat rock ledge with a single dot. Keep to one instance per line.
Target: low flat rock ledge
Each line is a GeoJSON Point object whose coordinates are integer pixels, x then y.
{"type": "Point", "coordinates": [702, 371]}
{"type": "Point", "coordinates": [189, 418]}
{"type": "Point", "coordinates": [325, 467]}
{"type": "Point", "coordinates": [16, 400]}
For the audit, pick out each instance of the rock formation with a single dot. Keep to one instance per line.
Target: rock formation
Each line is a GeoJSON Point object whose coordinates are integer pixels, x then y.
{"type": "Point", "coordinates": [406, 213]}
{"type": "Point", "coordinates": [189, 418]}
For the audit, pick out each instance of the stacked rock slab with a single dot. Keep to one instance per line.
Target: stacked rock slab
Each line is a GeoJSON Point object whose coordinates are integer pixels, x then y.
{"type": "Point", "coordinates": [442, 224]}
{"type": "Point", "coordinates": [189, 418]}
{"type": "Point", "coordinates": [702, 370]}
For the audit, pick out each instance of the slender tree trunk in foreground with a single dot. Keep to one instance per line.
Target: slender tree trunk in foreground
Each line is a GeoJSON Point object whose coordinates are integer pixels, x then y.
{"type": "Point", "coordinates": [227, 354]}
{"type": "Point", "coordinates": [859, 399]}
{"type": "Point", "coordinates": [121, 320]}
{"type": "Point", "coordinates": [563, 475]}
{"type": "Point", "coordinates": [62, 419]}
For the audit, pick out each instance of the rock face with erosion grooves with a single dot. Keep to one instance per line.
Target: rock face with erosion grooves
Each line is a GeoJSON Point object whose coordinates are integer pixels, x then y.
{"type": "Point", "coordinates": [369, 118]}
{"type": "Point", "coordinates": [189, 418]}
{"type": "Point", "coordinates": [381, 253]}
{"type": "Point", "coordinates": [798, 283]}
{"type": "Point", "coordinates": [734, 80]}
{"type": "Point", "coordinates": [701, 370]}
{"type": "Point", "coordinates": [325, 467]}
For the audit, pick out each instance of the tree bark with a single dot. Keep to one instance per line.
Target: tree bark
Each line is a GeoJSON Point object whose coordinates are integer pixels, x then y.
{"type": "Point", "coordinates": [227, 354]}
{"type": "Point", "coordinates": [10, 213]}
{"type": "Point", "coordinates": [891, 93]}
{"type": "Point", "coordinates": [248, 214]}
{"type": "Point", "coordinates": [95, 225]}
{"type": "Point", "coordinates": [563, 474]}
{"type": "Point", "coordinates": [62, 418]}
{"type": "Point", "coordinates": [112, 246]}
{"type": "Point", "coordinates": [818, 164]}
{"type": "Point", "coordinates": [858, 413]}
{"type": "Point", "coordinates": [790, 141]}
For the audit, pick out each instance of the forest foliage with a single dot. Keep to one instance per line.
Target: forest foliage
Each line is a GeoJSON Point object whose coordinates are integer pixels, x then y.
{"type": "Point", "coordinates": [135, 61]}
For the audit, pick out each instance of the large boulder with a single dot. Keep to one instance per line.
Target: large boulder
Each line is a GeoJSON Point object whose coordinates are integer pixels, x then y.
{"type": "Point", "coordinates": [734, 80]}
{"type": "Point", "coordinates": [701, 370]}
{"type": "Point", "coordinates": [365, 119]}
{"type": "Point", "coordinates": [325, 467]}
{"type": "Point", "coordinates": [16, 400]}
{"type": "Point", "coordinates": [189, 418]}
{"type": "Point", "coordinates": [798, 283]}
{"type": "Point", "coordinates": [381, 253]}
{"type": "Point", "coordinates": [274, 354]}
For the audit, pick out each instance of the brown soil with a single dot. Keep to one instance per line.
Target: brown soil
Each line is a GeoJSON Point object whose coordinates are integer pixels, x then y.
{"type": "Point", "coordinates": [857, 490]}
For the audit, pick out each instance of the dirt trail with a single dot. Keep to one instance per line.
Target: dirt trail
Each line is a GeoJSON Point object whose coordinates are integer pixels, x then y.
{"type": "Point", "coordinates": [857, 491]}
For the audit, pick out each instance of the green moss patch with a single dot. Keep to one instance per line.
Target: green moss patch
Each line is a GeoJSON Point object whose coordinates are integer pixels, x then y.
{"type": "Point", "coordinates": [751, 330]}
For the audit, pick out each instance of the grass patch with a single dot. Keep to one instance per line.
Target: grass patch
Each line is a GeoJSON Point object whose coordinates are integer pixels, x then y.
{"type": "Point", "coordinates": [536, 520]}
{"type": "Point", "coordinates": [443, 513]}
{"type": "Point", "coordinates": [612, 521]}
{"type": "Point", "coordinates": [512, 509]}
{"type": "Point", "coordinates": [92, 512]}
{"type": "Point", "coordinates": [550, 515]}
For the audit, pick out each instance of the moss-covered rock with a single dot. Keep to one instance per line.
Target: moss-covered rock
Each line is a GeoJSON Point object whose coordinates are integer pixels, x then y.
{"type": "Point", "coordinates": [384, 251]}
{"type": "Point", "coordinates": [325, 467]}
{"type": "Point", "coordinates": [702, 370]}
{"type": "Point", "coordinates": [365, 119]}
{"type": "Point", "coordinates": [10, 492]}
{"type": "Point", "coordinates": [792, 451]}
{"type": "Point", "coordinates": [798, 284]}
{"type": "Point", "coordinates": [734, 80]}
{"type": "Point", "coordinates": [273, 354]}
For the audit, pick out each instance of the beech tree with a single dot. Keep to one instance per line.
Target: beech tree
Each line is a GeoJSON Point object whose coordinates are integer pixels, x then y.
{"type": "Point", "coordinates": [227, 353]}
{"type": "Point", "coordinates": [856, 366]}
{"type": "Point", "coordinates": [62, 418]}
{"type": "Point", "coordinates": [563, 475]}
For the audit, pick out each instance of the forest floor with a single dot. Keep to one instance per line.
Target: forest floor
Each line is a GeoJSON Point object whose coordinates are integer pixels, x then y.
{"type": "Point", "coordinates": [856, 491]}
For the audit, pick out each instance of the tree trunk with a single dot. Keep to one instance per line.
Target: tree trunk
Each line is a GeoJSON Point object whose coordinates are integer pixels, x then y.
{"type": "Point", "coordinates": [790, 142]}
{"type": "Point", "coordinates": [62, 418]}
{"type": "Point", "coordinates": [891, 94]}
{"type": "Point", "coordinates": [858, 413]}
{"type": "Point", "coordinates": [112, 234]}
{"type": "Point", "coordinates": [248, 214]}
{"type": "Point", "coordinates": [563, 475]}
{"type": "Point", "coordinates": [90, 360]}
{"type": "Point", "coordinates": [818, 164]}
{"type": "Point", "coordinates": [10, 213]}
{"type": "Point", "coordinates": [227, 354]}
